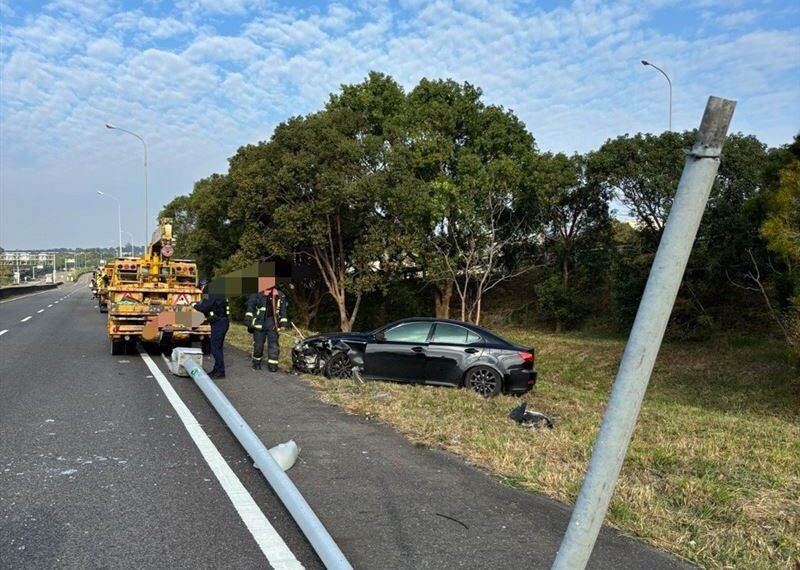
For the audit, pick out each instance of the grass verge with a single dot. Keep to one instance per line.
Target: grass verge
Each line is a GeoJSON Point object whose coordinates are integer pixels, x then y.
{"type": "Point", "coordinates": [712, 473]}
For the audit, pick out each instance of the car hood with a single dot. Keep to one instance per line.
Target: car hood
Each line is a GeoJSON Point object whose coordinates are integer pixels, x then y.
{"type": "Point", "coordinates": [364, 337]}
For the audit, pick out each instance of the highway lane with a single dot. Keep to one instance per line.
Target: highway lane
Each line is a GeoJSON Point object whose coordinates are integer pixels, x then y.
{"type": "Point", "coordinates": [96, 469]}
{"type": "Point", "coordinates": [13, 310]}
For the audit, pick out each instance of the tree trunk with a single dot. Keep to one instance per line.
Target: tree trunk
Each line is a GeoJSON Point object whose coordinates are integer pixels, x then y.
{"type": "Point", "coordinates": [344, 321]}
{"type": "Point", "coordinates": [558, 326]}
{"type": "Point", "coordinates": [442, 298]}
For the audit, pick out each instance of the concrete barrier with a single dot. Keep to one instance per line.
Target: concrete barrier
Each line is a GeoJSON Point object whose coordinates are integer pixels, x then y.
{"type": "Point", "coordinates": [16, 290]}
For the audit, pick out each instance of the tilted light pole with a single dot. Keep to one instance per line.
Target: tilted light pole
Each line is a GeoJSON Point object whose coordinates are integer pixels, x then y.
{"type": "Point", "coordinates": [119, 217]}
{"type": "Point", "coordinates": [644, 342]}
{"type": "Point", "coordinates": [669, 82]}
{"type": "Point", "coordinates": [144, 146]}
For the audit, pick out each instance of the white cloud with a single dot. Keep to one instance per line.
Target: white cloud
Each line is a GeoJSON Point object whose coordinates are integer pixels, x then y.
{"type": "Point", "coordinates": [198, 86]}
{"type": "Point", "coordinates": [222, 48]}
{"type": "Point", "coordinates": [104, 48]}
{"type": "Point", "coordinates": [737, 19]}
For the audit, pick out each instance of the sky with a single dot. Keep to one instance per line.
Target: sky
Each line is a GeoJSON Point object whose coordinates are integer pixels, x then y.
{"type": "Point", "coordinates": [197, 79]}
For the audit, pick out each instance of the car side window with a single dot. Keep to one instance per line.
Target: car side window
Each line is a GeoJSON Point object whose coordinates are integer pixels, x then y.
{"type": "Point", "coordinates": [447, 333]}
{"type": "Point", "coordinates": [408, 332]}
{"type": "Point", "coordinates": [473, 337]}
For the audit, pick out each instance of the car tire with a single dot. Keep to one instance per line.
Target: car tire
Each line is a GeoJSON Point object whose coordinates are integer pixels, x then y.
{"type": "Point", "coordinates": [484, 380]}
{"type": "Point", "coordinates": [339, 367]}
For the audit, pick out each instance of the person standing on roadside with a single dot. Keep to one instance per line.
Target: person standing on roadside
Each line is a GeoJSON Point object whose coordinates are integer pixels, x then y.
{"type": "Point", "coordinates": [217, 312]}
{"type": "Point", "coordinates": [266, 313]}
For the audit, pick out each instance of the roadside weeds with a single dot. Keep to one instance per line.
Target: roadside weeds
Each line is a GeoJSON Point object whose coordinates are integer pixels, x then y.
{"type": "Point", "coordinates": [713, 470]}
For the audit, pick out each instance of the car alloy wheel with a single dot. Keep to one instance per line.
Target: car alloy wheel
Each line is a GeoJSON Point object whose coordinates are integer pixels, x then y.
{"type": "Point", "coordinates": [339, 366]}
{"type": "Point", "coordinates": [484, 381]}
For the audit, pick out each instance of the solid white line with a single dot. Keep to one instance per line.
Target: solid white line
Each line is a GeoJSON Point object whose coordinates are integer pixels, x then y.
{"type": "Point", "coordinates": [3, 332]}
{"type": "Point", "coordinates": [40, 311]}
{"type": "Point", "coordinates": [29, 317]}
{"type": "Point", "coordinates": [269, 541]}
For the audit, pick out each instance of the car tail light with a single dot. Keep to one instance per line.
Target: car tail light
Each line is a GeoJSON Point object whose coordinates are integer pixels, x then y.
{"type": "Point", "coordinates": [527, 356]}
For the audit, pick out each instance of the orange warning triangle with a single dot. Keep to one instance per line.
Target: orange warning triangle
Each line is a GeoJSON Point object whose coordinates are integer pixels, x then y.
{"type": "Point", "coordinates": [181, 299]}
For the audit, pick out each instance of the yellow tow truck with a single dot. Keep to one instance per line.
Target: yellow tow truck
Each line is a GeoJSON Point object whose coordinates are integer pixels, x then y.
{"type": "Point", "coordinates": [150, 299]}
{"type": "Point", "coordinates": [101, 280]}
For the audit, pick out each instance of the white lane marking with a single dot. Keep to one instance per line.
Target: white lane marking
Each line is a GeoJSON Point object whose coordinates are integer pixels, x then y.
{"type": "Point", "coordinates": [56, 303]}
{"type": "Point", "coordinates": [269, 541]}
{"type": "Point", "coordinates": [3, 332]}
{"type": "Point", "coordinates": [40, 311]}
{"type": "Point", "coordinates": [26, 319]}
{"type": "Point", "coordinates": [50, 305]}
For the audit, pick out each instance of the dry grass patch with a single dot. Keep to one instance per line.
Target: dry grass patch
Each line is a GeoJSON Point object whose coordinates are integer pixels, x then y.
{"type": "Point", "coordinates": [713, 471]}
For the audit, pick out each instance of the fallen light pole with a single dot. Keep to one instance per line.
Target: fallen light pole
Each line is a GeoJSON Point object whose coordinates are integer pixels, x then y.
{"type": "Point", "coordinates": [645, 339]}
{"type": "Point", "coordinates": [327, 550]}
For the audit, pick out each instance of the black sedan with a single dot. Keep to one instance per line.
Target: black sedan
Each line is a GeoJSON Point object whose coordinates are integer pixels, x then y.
{"type": "Point", "coordinates": [423, 351]}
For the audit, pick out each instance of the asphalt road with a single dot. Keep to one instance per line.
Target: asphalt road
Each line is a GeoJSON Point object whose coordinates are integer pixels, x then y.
{"type": "Point", "coordinates": [98, 471]}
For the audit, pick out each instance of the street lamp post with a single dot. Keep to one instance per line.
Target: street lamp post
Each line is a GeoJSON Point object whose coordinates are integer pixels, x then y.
{"type": "Point", "coordinates": [669, 82]}
{"type": "Point", "coordinates": [119, 217]}
{"type": "Point", "coordinates": [144, 146]}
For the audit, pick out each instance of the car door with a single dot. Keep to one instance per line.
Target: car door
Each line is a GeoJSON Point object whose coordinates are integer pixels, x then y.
{"type": "Point", "coordinates": [399, 353]}
{"type": "Point", "coordinates": [452, 350]}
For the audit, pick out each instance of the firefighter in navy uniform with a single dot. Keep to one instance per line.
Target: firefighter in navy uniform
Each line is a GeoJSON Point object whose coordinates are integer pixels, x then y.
{"type": "Point", "coordinates": [217, 312]}
{"type": "Point", "coordinates": [266, 313]}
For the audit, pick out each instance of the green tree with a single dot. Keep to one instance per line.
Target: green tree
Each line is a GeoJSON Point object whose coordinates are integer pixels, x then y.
{"type": "Point", "coordinates": [202, 223]}
{"type": "Point", "coordinates": [319, 179]}
{"type": "Point", "coordinates": [781, 229]}
{"type": "Point", "coordinates": [576, 230]}
{"type": "Point", "coordinates": [459, 175]}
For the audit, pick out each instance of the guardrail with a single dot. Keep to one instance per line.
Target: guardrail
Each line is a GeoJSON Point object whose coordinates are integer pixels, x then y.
{"type": "Point", "coordinates": [16, 290]}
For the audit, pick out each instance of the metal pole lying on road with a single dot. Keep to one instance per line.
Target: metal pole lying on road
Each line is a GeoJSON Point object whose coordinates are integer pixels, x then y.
{"type": "Point", "coordinates": [315, 532]}
{"type": "Point", "coordinates": [645, 338]}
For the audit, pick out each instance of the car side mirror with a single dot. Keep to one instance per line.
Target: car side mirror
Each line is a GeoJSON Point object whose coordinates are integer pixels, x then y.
{"type": "Point", "coordinates": [379, 337]}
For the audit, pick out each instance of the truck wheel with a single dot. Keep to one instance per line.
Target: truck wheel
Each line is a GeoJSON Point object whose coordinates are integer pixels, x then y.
{"type": "Point", "coordinates": [103, 308]}
{"type": "Point", "coordinates": [117, 347]}
{"type": "Point", "coordinates": [130, 347]}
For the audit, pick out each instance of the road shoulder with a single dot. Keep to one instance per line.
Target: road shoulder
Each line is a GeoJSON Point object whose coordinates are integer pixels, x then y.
{"type": "Point", "coordinates": [391, 504]}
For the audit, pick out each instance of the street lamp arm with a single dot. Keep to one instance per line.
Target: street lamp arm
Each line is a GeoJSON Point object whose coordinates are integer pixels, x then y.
{"type": "Point", "coordinates": [144, 146]}
{"type": "Point", "coordinates": [669, 83]}
{"type": "Point", "coordinates": [664, 73]}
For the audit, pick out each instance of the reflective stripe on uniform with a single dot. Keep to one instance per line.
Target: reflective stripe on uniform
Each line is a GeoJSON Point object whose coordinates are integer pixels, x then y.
{"type": "Point", "coordinates": [248, 314]}
{"type": "Point", "coordinates": [270, 361]}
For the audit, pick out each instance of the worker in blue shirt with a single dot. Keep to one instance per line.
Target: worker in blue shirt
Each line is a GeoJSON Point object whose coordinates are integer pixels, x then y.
{"type": "Point", "coordinates": [217, 312]}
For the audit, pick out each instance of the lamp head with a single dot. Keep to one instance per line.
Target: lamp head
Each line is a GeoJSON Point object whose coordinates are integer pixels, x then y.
{"type": "Point", "coordinates": [110, 126]}
{"type": "Point", "coordinates": [101, 193]}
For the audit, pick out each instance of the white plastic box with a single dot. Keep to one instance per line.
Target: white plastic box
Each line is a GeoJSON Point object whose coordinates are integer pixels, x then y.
{"type": "Point", "coordinates": [181, 355]}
